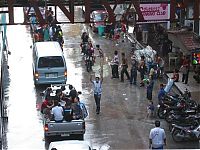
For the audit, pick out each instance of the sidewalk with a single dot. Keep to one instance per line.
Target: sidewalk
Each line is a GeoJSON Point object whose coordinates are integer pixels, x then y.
{"type": "Point", "coordinates": [192, 86]}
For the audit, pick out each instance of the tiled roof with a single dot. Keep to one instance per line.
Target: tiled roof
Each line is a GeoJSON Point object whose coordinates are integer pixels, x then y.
{"type": "Point", "coordinates": [188, 38]}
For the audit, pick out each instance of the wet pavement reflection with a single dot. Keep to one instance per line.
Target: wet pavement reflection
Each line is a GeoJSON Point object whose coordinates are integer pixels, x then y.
{"type": "Point", "coordinates": [122, 123]}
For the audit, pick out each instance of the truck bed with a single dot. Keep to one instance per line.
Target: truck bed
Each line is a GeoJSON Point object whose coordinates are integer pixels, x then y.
{"type": "Point", "coordinates": [75, 127]}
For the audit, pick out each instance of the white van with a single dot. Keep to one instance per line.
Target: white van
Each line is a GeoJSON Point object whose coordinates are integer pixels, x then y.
{"type": "Point", "coordinates": [49, 64]}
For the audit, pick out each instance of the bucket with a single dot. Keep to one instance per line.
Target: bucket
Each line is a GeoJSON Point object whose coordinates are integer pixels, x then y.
{"type": "Point", "coordinates": [101, 30]}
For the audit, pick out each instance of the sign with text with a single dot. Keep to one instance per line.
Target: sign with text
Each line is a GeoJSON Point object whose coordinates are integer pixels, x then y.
{"type": "Point", "coordinates": [155, 11]}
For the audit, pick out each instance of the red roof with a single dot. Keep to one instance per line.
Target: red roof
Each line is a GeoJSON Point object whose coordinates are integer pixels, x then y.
{"type": "Point", "coordinates": [188, 38]}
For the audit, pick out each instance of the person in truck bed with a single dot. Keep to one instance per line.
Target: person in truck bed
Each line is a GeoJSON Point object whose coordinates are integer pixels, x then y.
{"type": "Point", "coordinates": [57, 112]}
{"type": "Point", "coordinates": [68, 112]}
{"type": "Point", "coordinates": [73, 93]}
{"type": "Point", "coordinates": [77, 112]}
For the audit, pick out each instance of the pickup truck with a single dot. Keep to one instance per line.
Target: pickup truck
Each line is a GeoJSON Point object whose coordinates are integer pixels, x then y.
{"type": "Point", "coordinates": [64, 128]}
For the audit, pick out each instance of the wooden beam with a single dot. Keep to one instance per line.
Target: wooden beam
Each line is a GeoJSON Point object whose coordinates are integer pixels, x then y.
{"type": "Point", "coordinates": [41, 20]}
{"type": "Point", "coordinates": [87, 10]}
{"type": "Point", "coordinates": [172, 10]}
{"type": "Point", "coordinates": [111, 15]}
{"type": "Point", "coordinates": [138, 11]}
{"type": "Point", "coordinates": [11, 11]}
{"type": "Point", "coordinates": [69, 15]}
{"type": "Point", "coordinates": [196, 9]}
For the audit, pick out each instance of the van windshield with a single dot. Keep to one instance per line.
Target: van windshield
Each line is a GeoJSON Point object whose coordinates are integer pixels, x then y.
{"type": "Point", "coordinates": [53, 61]}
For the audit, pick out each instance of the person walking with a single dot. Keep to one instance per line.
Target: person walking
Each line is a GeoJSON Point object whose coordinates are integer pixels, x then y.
{"type": "Point", "coordinates": [150, 84]}
{"type": "Point", "coordinates": [142, 69]}
{"type": "Point", "coordinates": [185, 69]}
{"type": "Point", "coordinates": [134, 67]}
{"type": "Point", "coordinates": [115, 65]}
{"type": "Point", "coordinates": [157, 137]}
{"type": "Point", "coordinates": [101, 55]}
{"type": "Point", "coordinates": [161, 94]}
{"type": "Point", "coordinates": [46, 33]}
{"type": "Point", "coordinates": [124, 66]}
{"type": "Point", "coordinates": [97, 88]}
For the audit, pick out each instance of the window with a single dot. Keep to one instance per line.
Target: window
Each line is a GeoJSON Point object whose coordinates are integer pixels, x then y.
{"type": "Point", "coordinates": [53, 61]}
{"type": "Point", "coordinates": [99, 17]}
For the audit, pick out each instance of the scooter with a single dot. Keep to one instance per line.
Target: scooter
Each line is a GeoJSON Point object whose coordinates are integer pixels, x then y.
{"type": "Point", "coordinates": [180, 133]}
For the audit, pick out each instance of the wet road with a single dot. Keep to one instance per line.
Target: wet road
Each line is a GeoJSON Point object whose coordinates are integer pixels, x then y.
{"type": "Point", "coordinates": [122, 123]}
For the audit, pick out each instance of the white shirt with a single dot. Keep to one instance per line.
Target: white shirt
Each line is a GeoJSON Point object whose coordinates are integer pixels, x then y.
{"type": "Point", "coordinates": [157, 135]}
{"type": "Point", "coordinates": [115, 60]}
{"type": "Point", "coordinates": [57, 111]}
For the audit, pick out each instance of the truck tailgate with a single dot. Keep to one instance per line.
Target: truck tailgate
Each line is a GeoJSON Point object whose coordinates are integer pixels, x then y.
{"type": "Point", "coordinates": [74, 127]}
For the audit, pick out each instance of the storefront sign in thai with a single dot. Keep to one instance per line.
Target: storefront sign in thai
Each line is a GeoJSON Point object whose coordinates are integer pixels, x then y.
{"type": "Point", "coordinates": [155, 11]}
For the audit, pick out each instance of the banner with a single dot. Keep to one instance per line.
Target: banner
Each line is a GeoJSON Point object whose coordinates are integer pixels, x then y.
{"type": "Point", "coordinates": [155, 11]}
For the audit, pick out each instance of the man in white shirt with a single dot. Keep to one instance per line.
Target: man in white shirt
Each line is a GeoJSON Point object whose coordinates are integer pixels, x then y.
{"type": "Point", "coordinates": [157, 137]}
{"type": "Point", "coordinates": [115, 65]}
{"type": "Point", "coordinates": [97, 88]}
{"type": "Point", "coordinates": [57, 112]}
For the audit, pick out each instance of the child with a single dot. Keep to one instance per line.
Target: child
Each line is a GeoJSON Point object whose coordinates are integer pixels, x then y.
{"type": "Point", "coordinates": [150, 109]}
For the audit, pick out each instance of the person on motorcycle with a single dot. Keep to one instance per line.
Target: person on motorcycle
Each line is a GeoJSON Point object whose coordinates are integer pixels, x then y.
{"type": "Point", "coordinates": [90, 44]}
{"type": "Point", "coordinates": [91, 51]}
{"type": "Point", "coordinates": [84, 37]}
{"type": "Point", "coordinates": [59, 36]}
{"type": "Point", "coordinates": [85, 42]}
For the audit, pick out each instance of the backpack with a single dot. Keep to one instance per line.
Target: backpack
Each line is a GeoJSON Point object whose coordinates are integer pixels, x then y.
{"type": "Point", "coordinates": [84, 110]}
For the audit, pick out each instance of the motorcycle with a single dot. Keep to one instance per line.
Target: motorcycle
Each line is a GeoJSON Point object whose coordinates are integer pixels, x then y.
{"type": "Point", "coordinates": [89, 63]}
{"type": "Point", "coordinates": [162, 110]}
{"type": "Point", "coordinates": [164, 107]}
{"type": "Point", "coordinates": [183, 120]}
{"type": "Point", "coordinates": [84, 48]}
{"type": "Point", "coordinates": [181, 133]}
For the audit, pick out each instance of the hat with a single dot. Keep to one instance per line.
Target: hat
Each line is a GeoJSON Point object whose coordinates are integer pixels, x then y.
{"type": "Point", "coordinates": [98, 46]}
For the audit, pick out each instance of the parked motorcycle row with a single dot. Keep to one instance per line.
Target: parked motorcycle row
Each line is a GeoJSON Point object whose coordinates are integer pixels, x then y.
{"type": "Point", "coordinates": [182, 115]}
